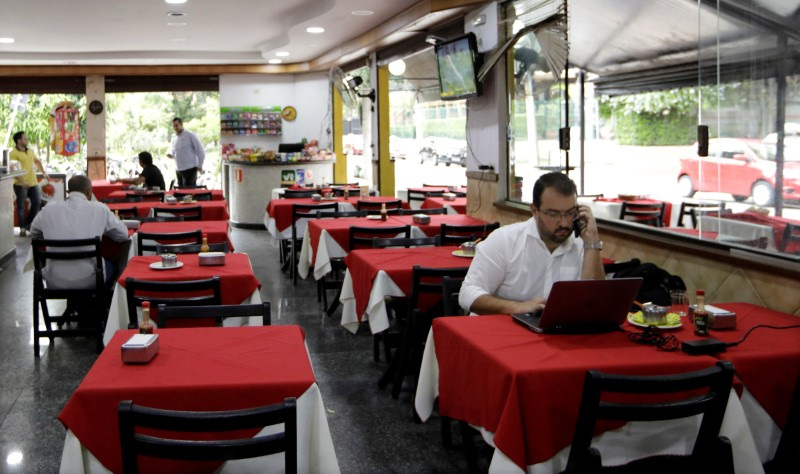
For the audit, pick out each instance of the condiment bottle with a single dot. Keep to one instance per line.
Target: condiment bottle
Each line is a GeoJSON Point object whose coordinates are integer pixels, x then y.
{"type": "Point", "coordinates": [147, 325]}
{"type": "Point", "coordinates": [701, 316]}
{"type": "Point", "coordinates": [346, 192]}
{"type": "Point", "coordinates": [384, 212]}
{"type": "Point", "coordinates": [204, 246]}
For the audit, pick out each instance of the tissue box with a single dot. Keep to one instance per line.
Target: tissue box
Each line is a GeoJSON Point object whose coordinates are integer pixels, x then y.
{"type": "Point", "coordinates": [140, 348]}
{"type": "Point", "coordinates": [131, 224]}
{"type": "Point", "coordinates": [449, 196]}
{"type": "Point", "coordinates": [421, 219]}
{"type": "Point", "coordinates": [211, 258]}
{"type": "Point", "coordinates": [170, 199]}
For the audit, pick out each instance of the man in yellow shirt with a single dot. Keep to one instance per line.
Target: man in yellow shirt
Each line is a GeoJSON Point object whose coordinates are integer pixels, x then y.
{"type": "Point", "coordinates": [26, 186]}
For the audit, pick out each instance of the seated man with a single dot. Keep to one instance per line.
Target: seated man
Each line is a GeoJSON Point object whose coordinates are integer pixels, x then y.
{"type": "Point", "coordinates": [515, 267]}
{"type": "Point", "coordinates": [77, 218]}
{"type": "Point", "coordinates": [151, 176]}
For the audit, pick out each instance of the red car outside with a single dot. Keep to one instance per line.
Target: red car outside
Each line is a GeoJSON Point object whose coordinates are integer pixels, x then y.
{"type": "Point", "coordinates": [742, 167]}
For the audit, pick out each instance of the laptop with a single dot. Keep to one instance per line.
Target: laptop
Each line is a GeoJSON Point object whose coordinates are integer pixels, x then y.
{"type": "Point", "coordinates": [583, 306]}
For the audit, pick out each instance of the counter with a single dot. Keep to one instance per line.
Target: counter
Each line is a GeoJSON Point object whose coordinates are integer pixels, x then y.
{"type": "Point", "coordinates": [7, 243]}
{"type": "Point", "coordinates": [248, 186]}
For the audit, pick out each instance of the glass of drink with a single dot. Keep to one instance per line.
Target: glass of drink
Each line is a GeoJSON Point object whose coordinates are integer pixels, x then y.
{"type": "Point", "coordinates": [680, 302]}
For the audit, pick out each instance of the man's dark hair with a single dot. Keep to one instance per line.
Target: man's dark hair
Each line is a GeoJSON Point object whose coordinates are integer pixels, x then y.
{"type": "Point", "coordinates": [145, 158]}
{"type": "Point", "coordinates": [178, 119]}
{"type": "Point", "coordinates": [18, 136]}
{"type": "Point", "coordinates": [80, 183]}
{"type": "Point", "coordinates": [556, 180]}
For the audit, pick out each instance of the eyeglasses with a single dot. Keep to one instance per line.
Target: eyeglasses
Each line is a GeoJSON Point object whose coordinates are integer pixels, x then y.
{"type": "Point", "coordinates": [570, 215]}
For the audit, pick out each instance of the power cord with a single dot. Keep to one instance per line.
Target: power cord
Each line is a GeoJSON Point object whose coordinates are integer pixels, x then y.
{"type": "Point", "coordinates": [768, 326]}
{"type": "Point", "coordinates": [652, 336]}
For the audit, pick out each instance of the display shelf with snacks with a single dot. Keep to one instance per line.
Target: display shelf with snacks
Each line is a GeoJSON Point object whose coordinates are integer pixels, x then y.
{"type": "Point", "coordinates": [250, 121]}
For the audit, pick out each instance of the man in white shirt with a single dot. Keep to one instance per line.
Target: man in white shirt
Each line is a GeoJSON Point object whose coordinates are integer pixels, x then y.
{"type": "Point", "coordinates": [77, 218]}
{"type": "Point", "coordinates": [188, 153]}
{"type": "Point", "coordinates": [515, 267]}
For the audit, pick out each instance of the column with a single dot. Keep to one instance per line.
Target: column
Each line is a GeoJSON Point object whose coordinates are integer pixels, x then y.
{"type": "Point", "coordinates": [96, 127]}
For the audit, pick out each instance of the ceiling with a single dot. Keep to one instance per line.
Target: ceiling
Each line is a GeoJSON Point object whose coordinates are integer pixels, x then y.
{"type": "Point", "coordinates": [136, 32]}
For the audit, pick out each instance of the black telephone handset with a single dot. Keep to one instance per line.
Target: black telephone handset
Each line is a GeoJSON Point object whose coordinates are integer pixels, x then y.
{"type": "Point", "coordinates": [576, 226]}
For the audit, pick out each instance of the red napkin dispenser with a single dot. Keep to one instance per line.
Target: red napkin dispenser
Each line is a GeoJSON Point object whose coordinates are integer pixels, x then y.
{"type": "Point", "coordinates": [140, 348]}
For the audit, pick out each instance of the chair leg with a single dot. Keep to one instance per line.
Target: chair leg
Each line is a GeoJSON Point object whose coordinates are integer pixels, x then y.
{"type": "Point", "coordinates": [294, 263]}
{"type": "Point", "coordinates": [469, 446]}
{"type": "Point", "coordinates": [376, 347]}
{"type": "Point", "coordinates": [402, 355]}
{"type": "Point", "coordinates": [36, 327]}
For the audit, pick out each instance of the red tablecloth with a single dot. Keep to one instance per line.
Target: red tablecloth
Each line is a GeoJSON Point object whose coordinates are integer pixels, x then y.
{"type": "Point", "coordinates": [459, 205]}
{"type": "Point", "coordinates": [779, 225]}
{"type": "Point", "coordinates": [517, 365]}
{"type": "Point", "coordinates": [693, 232]}
{"type": "Point", "coordinates": [216, 194]}
{"type": "Point", "coordinates": [339, 229]}
{"type": "Point", "coordinates": [101, 188]}
{"type": "Point", "coordinates": [364, 264]}
{"type": "Point", "coordinates": [212, 210]}
{"type": "Point", "coordinates": [237, 281]}
{"type": "Point", "coordinates": [667, 207]}
{"type": "Point", "coordinates": [281, 209]}
{"type": "Point", "coordinates": [526, 387]}
{"type": "Point", "coordinates": [217, 231]}
{"type": "Point", "coordinates": [200, 369]}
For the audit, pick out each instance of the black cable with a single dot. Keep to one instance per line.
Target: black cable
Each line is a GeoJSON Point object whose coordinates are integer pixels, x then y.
{"type": "Point", "coordinates": [653, 336]}
{"type": "Point", "coordinates": [768, 326]}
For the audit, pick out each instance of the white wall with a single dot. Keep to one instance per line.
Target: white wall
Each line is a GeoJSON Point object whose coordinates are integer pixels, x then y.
{"type": "Point", "coordinates": [486, 124]}
{"type": "Point", "coordinates": [308, 93]}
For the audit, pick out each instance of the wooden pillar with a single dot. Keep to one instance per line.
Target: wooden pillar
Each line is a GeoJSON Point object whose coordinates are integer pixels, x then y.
{"type": "Point", "coordinates": [96, 128]}
{"type": "Point", "coordinates": [386, 167]}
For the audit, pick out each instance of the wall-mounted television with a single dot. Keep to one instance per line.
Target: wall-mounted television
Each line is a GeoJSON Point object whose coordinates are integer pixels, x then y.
{"type": "Point", "coordinates": [457, 62]}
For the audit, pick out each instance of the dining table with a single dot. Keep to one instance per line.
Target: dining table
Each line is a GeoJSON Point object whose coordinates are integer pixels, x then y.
{"type": "Point", "coordinates": [421, 192]}
{"type": "Point", "coordinates": [211, 210]}
{"type": "Point", "coordinates": [456, 206]}
{"type": "Point", "coordinates": [374, 274]}
{"type": "Point", "coordinates": [216, 194]}
{"type": "Point", "coordinates": [610, 207]}
{"type": "Point", "coordinates": [326, 239]}
{"type": "Point", "coordinates": [278, 216]}
{"type": "Point", "coordinates": [216, 231]}
{"type": "Point", "coordinates": [102, 188]}
{"type": "Point", "coordinates": [522, 390]}
{"type": "Point", "coordinates": [200, 369]}
{"type": "Point", "coordinates": [238, 285]}
{"type": "Point", "coordinates": [778, 224]}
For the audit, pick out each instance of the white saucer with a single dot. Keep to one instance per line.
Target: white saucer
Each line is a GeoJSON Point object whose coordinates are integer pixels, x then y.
{"type": "Point", "coordinates": [460, 253]}
{"type": "Point", "coordinates": [157, 266]}
{"type": "Point", "coordinates": [374, 217]}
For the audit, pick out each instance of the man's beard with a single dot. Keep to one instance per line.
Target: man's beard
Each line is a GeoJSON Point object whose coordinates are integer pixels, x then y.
{"type": "Point", "coordinates": [554, 236]}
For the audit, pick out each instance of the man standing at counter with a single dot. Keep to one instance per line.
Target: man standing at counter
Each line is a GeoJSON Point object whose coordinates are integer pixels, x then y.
{"type": "Point", "coordinates": [26, 186]}
{"type": "Point", "coordinates": [515, 267]}
{"type": "Point", "coordinates": [188, 153]}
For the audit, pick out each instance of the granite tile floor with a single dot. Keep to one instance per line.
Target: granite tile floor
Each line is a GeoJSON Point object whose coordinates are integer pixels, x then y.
{"type": "Point", "coordinates": [372, 433]}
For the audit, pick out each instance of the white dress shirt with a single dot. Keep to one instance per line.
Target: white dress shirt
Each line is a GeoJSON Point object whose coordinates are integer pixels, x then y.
{"type": "Point", "coordinates": [73, 219]}
{"type": "Point", "coordinates": [187, 151]}
{"type": "Point", "coordinates": [513, 263]}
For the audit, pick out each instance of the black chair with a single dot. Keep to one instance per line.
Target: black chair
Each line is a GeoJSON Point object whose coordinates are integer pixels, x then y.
{"type": "Point", "coordinates": [361, 237]}
{"type": "Point", "coordinates": [203, 293]}
{"type": "Point", "coordinates": [192, 248]}
{"type": "Point", "coordinates": [790, 234]}
{"type": "Point", "coordinates": [378, 205]}
{"type": "Point", "coordinates": [458, 234]}
{"type": "Point", "coordinates": [128, 198]}
{"type": "Point", "coordinates": [217, 313]}
{"type": "Point", "coordinates": [201, 196]}
{"type": "Point", "coordinates": [186, 186]}
{"type": "Point", "coordinates": [134, 444]}
{"type": "Point", "coordinates": [429, 212]}
{"type": "Point", "coordinates": [335, 278]}
{"type": "Point", "coordinates": [151, 196]}
{"type": "Point", "coordinates": [643, 213]}
{"type": "Point", "coordinates": [126, 212]}
{"type": "Point", "coordinates": [191, 237]}
{"type": "Point", "coordinates": [450, 289]}
{"type": "Point", "coordinates": [194, 213]}
{"type": "Point", "coordinates": [298, 193]}
{"type": "Point", "coordinates": [90, 305]}
{"type": "Point", "coordinates": [711, 452]}
{"type": "Point", "coordinates": [303, 211]}
{"type": "Point", "coordinates": [340, 214]}
{"type": "Point", "coordinates": [158, 219]}
{"type": "Point", "coordinates": [421, 196]}
{"type": "Point", "coordinates": [787, 456]}
{"type": "Point", "coordinates": [407, 358]}
{"type": "Point", "coordinates": [407, 243]}
{"type": "Point", "coordinates": [695, 209]}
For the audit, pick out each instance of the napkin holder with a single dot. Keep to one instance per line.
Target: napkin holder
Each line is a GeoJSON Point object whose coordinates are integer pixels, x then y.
{"type": "Point", "coordinates": [449, 196]}
{"type": "Point", "coordinates": [139, 191]}
{"type": "Point", "coordinates": [421, 219]}
{"type": "Point", "coordinates": [170, 199]}
{"type": "Point", "coordinates": [316, 197]}
{"type": "Point", "coordinates": [211, 258]}
{"type": "Point", "coordinates": [140, 348]}
{"type": "Point", "coordinates": [131, 223]}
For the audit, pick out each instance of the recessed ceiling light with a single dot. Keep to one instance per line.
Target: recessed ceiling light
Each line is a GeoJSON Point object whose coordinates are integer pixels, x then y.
{"type": "Point", "coordinates": [175, 2]}
{"type": "Point", "coordinates": [176, 23]}
{"type": "Point", "coordinates": [315, 30]}
{"type": "Point", "coordinates": [6, 40]}
{"type": "Point", "coordinates": [362, 12]}
{"type": "Point", "coordinates": [176, 14]}
{"type": "Point", "coordinates": [274, 61]}
{"type": "Point", "coordinates": [177, 40]}
{"type": "Point", "coordinates": [282, 54]}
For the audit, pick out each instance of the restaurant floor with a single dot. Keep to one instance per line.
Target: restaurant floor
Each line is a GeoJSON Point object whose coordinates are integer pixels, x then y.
{"type": "Point", "coordinates": [371, 431]}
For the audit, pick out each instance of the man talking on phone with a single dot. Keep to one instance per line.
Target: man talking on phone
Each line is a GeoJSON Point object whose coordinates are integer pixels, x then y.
{"type": "Point", "coordinates": [515, 267]}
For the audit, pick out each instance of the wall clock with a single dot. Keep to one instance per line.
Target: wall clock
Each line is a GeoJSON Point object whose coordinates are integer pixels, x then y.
{"type": "Point", "coordinates": [289, 113]}
{"type": "Point", "coordinates": [96, 107]}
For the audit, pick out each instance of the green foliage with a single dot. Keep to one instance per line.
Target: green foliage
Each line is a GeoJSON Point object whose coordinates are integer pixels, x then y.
{"type": "Point", "coordinates": [454, 127]}
{"type": "Point", "coordinates": [402, 131]}
{"type": "Point", "coordinates": [656, 130]}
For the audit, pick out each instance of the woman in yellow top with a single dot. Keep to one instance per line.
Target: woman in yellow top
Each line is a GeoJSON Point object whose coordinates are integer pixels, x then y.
{"type": "Point", "coordinates": [26, 186]}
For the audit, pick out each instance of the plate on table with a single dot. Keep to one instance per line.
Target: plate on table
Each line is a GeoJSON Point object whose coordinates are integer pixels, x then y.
{"type": "Point", "coordinates": [374, 217]}
{"type": "Point", "coordinates": [159, 266]}
{"type": "Point", "coordinates": [673, 321]}
{"type": "Point", "coordinates": [460, 253]}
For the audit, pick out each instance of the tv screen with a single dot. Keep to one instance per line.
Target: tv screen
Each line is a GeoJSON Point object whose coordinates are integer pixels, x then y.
{"type": "Point", "coordinates": [457, 63]}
